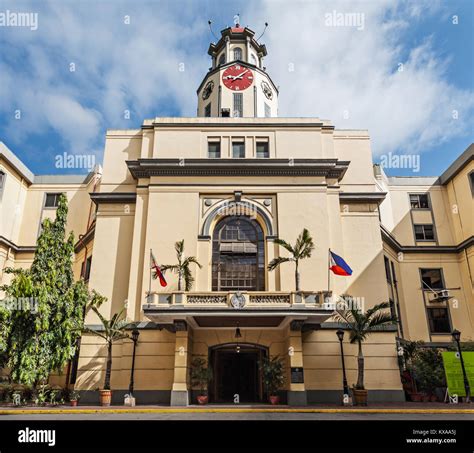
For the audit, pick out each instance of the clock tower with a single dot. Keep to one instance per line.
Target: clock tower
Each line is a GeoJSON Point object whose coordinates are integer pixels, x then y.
{"type": "Point", "coordinates": [237, 84]}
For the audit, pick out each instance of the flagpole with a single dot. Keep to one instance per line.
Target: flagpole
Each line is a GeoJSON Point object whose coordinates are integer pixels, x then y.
{"type": "Point", "coordinates": [149, 284]}
{"type": "Point", "coordinates": [329, 271]}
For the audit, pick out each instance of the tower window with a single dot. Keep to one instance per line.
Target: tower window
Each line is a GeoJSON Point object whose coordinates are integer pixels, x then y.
{"type": "Point", "coordinates": [207, 110]}
{"type": "Point", "coordinates": [222, 59]}
{"type": "Point", "coordinates": [237, 53]}
{"type": "Point", "coordinates": [419, 201]}
{"type": "Point", "coordinates": [253, 59]}
{"type": "Point", "coordinates": [424, 233]}
{"type": "Point", "coordinates": [238, 149]}
{"type": "Point", "coordinates": [471, 181]}
{"type": "Point", "coordinates": [238, 104]}
{"type": "Point", "coordinates": [268, 111]}
{"type": "Point", "coordinates": [262, 150]}
{"type": "Point", "coordinates": [214, 149]}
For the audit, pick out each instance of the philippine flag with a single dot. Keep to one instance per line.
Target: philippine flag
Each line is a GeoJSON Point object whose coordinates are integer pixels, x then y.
{"type": "Point", "coordinates": [338, 265]}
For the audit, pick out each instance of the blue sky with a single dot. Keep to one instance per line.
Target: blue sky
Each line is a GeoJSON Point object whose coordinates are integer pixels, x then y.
{"type": "Point", "coordinates": [407, 76]}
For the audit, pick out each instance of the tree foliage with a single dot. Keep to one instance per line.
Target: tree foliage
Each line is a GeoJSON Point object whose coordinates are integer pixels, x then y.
{"type": "Point", "coordinates": [183, 267]}
{"type": "Point", "coordinates": [42, 337]}
{"type": "Point", "coordinates": [302, 249]}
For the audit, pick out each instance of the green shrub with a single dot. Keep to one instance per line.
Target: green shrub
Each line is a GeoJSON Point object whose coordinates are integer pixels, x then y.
{"type": "Point", "coordinates": [428, 369]}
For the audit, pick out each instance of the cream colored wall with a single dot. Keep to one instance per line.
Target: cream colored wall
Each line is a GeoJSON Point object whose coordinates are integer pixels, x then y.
{"type": "Point", "coordinates": [154, 362]}
{"type": "Point", "coordinates": [460, 204]}
{"type": "Point", "coordinates": [322, 361]}
{"type": "Point", "coordinates": [112, 255]}
{"type": "Point", "coordinates": [12, 202]}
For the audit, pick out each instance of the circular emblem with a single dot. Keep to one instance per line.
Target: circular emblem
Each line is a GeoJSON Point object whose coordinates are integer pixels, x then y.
{"type": "Point", "coordinates": [237, 77]}
{"type": "Point", "coordinates": [237, 300]}
{"type": "Point", "coordinates": [207, 90]}
{"type": "Point", "coordinates": [267, 91]}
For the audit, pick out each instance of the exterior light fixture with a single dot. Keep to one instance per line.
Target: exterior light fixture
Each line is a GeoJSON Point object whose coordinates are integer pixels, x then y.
{"type": "Point", "coordinates": [457, 337]}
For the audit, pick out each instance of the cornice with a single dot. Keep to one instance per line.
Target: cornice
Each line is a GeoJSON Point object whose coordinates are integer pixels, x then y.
{"type": "Point", "coordinates": [146, 168]}
{"type": "Point", "coordinates": [389, 239]}
{"type": "Point", "coordinates": [113, 197]}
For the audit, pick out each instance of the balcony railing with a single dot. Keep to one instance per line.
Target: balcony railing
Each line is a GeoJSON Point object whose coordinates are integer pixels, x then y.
{"type": "Point", "coordinates": [237, 299]}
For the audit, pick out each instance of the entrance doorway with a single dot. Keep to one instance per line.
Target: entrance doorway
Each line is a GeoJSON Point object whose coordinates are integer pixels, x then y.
{"type": "Point", "coordinates": [236, 371]}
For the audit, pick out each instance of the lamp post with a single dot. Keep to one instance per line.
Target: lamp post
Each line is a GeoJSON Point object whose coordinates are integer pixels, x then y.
{"type": "Point", "coordinates": [457, 337]}
{"type": "Point", "coordinates": [340, 336]}
{"type": "Point", "coordinates": [135, 335]}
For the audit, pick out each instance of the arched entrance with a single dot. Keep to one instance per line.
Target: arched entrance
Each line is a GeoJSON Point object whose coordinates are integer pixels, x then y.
{"type": "Point", "coordinates": [238, 255]}
{"type": "Point", "coordinates": [236, 373]}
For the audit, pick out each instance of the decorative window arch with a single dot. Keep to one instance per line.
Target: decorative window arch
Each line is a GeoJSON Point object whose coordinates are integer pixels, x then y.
{"type": "Point", "coordinates": [244, 206]}
{"type": "Point", "coordinates": [237, 53]}
{"type": "Point", "coordinates": [222, 59]}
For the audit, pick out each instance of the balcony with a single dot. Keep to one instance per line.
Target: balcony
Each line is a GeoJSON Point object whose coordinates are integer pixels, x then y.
{"type": "Point", "coordinates": [248, 309]}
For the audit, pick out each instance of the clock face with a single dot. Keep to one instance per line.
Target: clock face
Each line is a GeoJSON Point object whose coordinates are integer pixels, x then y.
{"type": "Point", "coordinates": [237, 77]}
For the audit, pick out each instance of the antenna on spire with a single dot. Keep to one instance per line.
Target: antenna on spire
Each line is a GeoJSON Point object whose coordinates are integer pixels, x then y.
{"type": "Point", "coordinates": [266, 25]}
{"type": "Point", "coordinates": [210, 29]}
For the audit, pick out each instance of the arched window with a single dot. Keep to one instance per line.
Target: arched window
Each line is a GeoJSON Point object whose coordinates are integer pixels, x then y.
{"type": "Point", "coordinates": [222, 59]}
{"type": "Point", "coordinates": [253, 59]}
{"type": "Point", "coordinates": [237, 53]}
{"type": "Point", "coordinates": [238, 255]}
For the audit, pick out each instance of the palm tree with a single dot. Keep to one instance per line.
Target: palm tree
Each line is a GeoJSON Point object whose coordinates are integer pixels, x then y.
{"type": "Point", "coordinates": [112, 331]}
{"type": "Point", "coordinates": [182, 268]}
{"type": "Point", "coordinates": [361, 325]}
{"type": "Point", "coordinates": [302, 249]}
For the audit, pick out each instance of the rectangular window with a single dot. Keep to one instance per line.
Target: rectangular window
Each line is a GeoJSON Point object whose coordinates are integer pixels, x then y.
{"type": "Point", "coordinates": [86, 269]}
{"type": "Point", "coordinates": [419, 201]}
{"type": "Point", "coordinates": [471, 182]}
{"type": "Point", "coordinates": [52, 200]}
{"type": "Point", "coordinates": [207, 110]}
{"type": "Point", "coordinates": [268, 111]}
{"type": "Point", "coordinates": [262, 150]}
{"type": "Point", "coordinates": [387, 269]}
{"type": "Point", "coordinates": [238, 105]}
{"type": "Point", "coordinates": [238, 150]}
{"type": "Point", "coordinates": [431, 279]}
{"type": "Point", "coordinates": [438, 319]}
{"type": "Point", "coordinates": [2, 182]}
{"type": "Point", "coordinates": [214, 150]}
{"type": "Point", "coordinates": [424, 233]}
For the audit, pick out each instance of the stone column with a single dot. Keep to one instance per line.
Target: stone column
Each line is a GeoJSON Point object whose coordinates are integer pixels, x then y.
{"type": "Point", "coordinates": [182, 360]}
{"type": "Point", "coordinates": [296, 391]}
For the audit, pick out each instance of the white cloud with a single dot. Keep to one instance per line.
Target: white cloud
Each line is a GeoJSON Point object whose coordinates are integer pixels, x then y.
{"type": "Point", "coordinates": [342, 68]}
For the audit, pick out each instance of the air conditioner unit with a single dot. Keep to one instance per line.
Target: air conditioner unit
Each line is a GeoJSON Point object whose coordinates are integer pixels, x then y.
{"type": "Point", "coordinates": [442, 295]}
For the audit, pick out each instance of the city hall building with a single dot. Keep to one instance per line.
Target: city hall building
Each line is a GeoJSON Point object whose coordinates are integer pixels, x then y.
{"type": "Point", "coordinates": [229, 182]}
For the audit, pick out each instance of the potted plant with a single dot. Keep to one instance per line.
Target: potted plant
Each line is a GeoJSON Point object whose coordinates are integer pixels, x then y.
{"type": "Point", "coordinates": [200, 375]}
{"type": "Point", "coordinates": [273, 377]}
{"type": "Point", "coordinates": [74, 397]}
{"type": "Point", "coordinates": [360, 326]}
{"type": "Point", "coordinates": [111, 331]}
{"type": "Point", "coordinates": [302, 249]}
{"type": "Point", "coordinates": [429, 372]}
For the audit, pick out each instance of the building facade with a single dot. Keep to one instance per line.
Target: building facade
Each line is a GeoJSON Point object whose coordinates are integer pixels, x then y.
{"type": "Point", "coordinates": [229, 182]}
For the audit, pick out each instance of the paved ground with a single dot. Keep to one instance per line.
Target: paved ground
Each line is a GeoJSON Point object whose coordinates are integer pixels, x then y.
{"type": "Point", "coordinates": [405, 411]}
{"type": "Point", "coordinates": [239, 416]}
